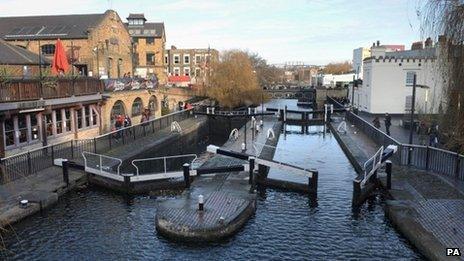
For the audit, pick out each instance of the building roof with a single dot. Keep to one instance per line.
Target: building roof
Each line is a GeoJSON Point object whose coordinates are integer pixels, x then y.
{"type": "Point", "coordinates": [420, 53]}
{"type": "Point", "coordinates": [48, 26]}
{"type": "Point", "coordinates": [180, 78]}
{"type": "Point", "coordinates": [14, 55]}
{"type": "Point", "coordinates": [147, 29]}
{"type": "Point", "coordinates": [136, 16]}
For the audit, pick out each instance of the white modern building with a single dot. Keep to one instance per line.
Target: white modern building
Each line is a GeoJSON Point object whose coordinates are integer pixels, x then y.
{"type": "Point", "coordinates": [388, 79]}
{"type": "Point", "coordinates": [333, 80]}
{"type": "Point", "coordinates": [359, 55]}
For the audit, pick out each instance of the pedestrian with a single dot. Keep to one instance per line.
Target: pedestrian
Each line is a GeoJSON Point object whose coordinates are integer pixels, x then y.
{"type": "Point", "coordinates": [376, 122]}
{"type": "Point", "coordinates": [422, 133]}
{"type": "Point", "coordinates": [433, 135]}
{"type": "Point", "coordinates": [387, 123]}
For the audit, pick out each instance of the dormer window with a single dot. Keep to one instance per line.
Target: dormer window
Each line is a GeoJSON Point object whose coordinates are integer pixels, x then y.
{"type": "Point", "coordinates": [136, 21]}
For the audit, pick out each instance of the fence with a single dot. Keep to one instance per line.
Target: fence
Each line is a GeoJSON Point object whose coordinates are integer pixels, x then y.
{"type": "Point", "coordinates": [33, 161]}
{"type": "Point", "coordinates": [16, 90]}
{"type": "Point", "coordinates": [441, 161]}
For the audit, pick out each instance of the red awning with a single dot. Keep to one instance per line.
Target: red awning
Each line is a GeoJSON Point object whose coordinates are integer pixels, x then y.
{"type": "Point", "coordinates": [182, 78]}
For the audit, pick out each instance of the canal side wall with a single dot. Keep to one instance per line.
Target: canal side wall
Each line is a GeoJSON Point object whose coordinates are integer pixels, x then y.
{"type": "Point", "coordinates": [189, 141]}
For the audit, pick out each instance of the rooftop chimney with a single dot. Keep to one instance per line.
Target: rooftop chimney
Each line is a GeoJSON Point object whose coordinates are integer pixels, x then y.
{"type": "Point", "coordinates": [378, 43]}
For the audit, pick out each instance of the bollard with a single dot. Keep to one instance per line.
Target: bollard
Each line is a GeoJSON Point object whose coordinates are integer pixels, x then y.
{"type": "Point", "coordinates": [388, 169]}
{"type": "Point", "coordinates": [127, 182]}
{"type": "Point", "coordinates": [207, 110]}
{"type": "Point", "coordinates": [212, 109]}
{"type": "Point", "coordinates": [261, 123]}
{"type": "Point", "coordinates": [200, 203]}
{"type": "Point", "coordinates": [285, 113]}
{"type": "Point", "coordinates": [312, 184]}
{"type": "Point", "coordinates": [356, 191]}
{"type": "Point", "coordinates": [65, 165]}
{"type": "Point", "coordinates": [243, 146]}
{"type": "Point", "coordinates": [252, 168]}
{"type": "Point", "coordinates": [186, 167]}
{"type": "Point", "coordinates": [23, 203]}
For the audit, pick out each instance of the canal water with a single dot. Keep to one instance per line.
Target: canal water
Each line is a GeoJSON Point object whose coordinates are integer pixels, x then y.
{"type": "Point", "coordinates": [95, 224]}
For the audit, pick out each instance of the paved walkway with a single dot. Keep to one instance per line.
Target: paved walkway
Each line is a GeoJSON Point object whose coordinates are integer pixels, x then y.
{"type": "Point", "coordinates": [397, 131]}
{"type": "Point", "coordinates": [427, 208]}
{"type": "Point", "coordinates": [42, 190]}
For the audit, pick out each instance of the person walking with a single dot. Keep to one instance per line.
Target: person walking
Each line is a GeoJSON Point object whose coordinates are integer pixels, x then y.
{"type": "Point", "coordinates": [422, 132]}
{"type": "Point", "coordinates": [387, 123]}
{"type": "Point", "coordinates": [376, 122]}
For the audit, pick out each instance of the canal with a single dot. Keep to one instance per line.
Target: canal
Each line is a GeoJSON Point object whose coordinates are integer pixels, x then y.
{"type": "Point", "coordinates": [95, 224]}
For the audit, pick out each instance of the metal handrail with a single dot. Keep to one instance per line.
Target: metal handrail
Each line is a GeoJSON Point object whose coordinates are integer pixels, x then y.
{"type": "Point", "coordinates": [164, 160]}
{"type": "Point", "coordinates": [376, 162]}
{"type": "Point", "coordinates": [100, 157]}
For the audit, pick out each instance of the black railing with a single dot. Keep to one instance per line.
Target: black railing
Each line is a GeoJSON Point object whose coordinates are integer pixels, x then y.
{"type": "Point", "coordinates": [440, 161]}
{"type": "Point", "coordinates": [33, 161]}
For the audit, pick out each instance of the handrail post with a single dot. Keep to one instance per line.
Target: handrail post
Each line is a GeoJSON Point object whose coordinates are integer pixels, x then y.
{"type": "Point", "coordinates": [101, 167]}
{"type": "Point", "coordinates": [458, 163]}
{"type": "Point", "coordinates": [29, 163]}
{"type": "Point", "coordinates": [72, 149]}
{"type": "Point", "coordinates": [53, 154]}
{"type": "Point", "coordinates": [165, 171]}
{"type": "Point", "coordinates": [95, 145]}
{"type": "Point", "coordinates": [186, 168]}
{"type": "Point", "coordinates": [427, 157]}
{"type": "Point", "coordinates": [388, 170]}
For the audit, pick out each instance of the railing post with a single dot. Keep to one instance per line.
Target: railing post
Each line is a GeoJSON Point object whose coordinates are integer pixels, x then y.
{"type": "Point", "coordinates": [101, 167]}
{"type": "Point", "coordinates": [122, 132]}
{"type": "Point", "coordinates": [29, 163]}
{"type": "Point", "coordinates": [458, 163]}
{"type": "Point", "coordinates": [164, 164]}
{"type": "Point", "coordinates": [427, 157]}
{"type": "Point", "coordinates": [53, 154]}
{"type": "Point", "coordinates": [95, 145]}
{"type": "Point", "coordinates": [72, 149]}
{"type": "Point", "coordinates": [109, 139]}
{"type": "Point", "coordinates": [153, 126]}
{"type": "Point", "coordinates": [133, 131]}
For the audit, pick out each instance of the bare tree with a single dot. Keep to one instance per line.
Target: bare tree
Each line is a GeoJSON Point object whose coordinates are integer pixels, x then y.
{"type": "Point", "coordinates": [444, 19]}
{"type": "Point", "coordinates": [338, 68]}
{"type": "Point", "coordinates": [233, 81]}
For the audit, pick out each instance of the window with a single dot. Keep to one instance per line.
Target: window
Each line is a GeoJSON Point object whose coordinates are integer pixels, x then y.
{"type": "Point", "coordinates": [67, 115]}
{"type": "Point", "coordinates": [34, 127]}
{"type": "Point", "coordinates": [87, 116]}
{"type": "Point", "coordinates": [176, 71]}
{"type": "Point", "coordinates": [187, 71]}
{"type": "Point", "coordinates": [94, 117]}
{"type": "Point", "coordinates": [186, 59]}
{"type": "Point", "coordinates": [9, 132]}
{"type": "Point", "coordinates": [80, 124]}
{"type": "Point", "coordinates": [137, 107]}
{"type": "Point", "coordinates": [176, 59]}
{"type": "Point", "coordinates": [22, 128]}
{"type": "Point", "coordinates": [48, 124]}
{"type": "Point", "coordinates": [150, 59]}
{"type": "Point", "coordinates": [408, 103]}
{"type": "Point", "coordinates": [197, 72]}
{"type": "Point", "coordinates": [197, 58]}
{"type": "Point", "coordinates": [410, 79]}
{"type": "Point", "coordinates": [166, 59]}
{"type": "Point", "coordinates": [48, 49]}
{"type": "Point", "coordinates": [59, 121]}
{"type": "Point", "coordinates": [150, 40]}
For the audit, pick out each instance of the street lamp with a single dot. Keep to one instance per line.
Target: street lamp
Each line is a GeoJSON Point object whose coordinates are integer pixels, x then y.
{"type": "Point", "coordinates": [413, 105]}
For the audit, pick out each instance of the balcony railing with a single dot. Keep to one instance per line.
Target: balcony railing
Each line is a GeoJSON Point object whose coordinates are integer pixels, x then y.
{"type": "Point", "coordinates": [15, 90]}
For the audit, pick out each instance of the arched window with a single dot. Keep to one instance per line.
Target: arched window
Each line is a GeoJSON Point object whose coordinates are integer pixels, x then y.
{"type": "Point", "coordinates": [137, 107]}
{"type": "Point", "coordinates": [48, 49]}
{"type": "Point", "coordinates": [118, 109]}
{"type": "Point", "coordinates": [153, 104]}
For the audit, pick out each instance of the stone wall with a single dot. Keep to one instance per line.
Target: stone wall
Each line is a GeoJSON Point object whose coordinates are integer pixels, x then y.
{"type": "Point", "coordinates": [321, 94]}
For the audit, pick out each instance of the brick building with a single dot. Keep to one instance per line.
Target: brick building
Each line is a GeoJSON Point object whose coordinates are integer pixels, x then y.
{"type": "Point", "coordinates": [19, 62]}
{"type": "Point", "coordinates": [149, 47]}
{"type": "Point", "coordinates": [190, 62]}
{"type": "Point", "coordinates": [91, 40]}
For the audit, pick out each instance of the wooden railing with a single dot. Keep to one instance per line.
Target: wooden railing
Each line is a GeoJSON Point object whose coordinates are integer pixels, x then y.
{"type": "Point", "coordinates": [15, 90]}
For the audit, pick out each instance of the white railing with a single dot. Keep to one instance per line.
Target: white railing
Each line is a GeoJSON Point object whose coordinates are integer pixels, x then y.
{"type": "Point", "coordinates": [176, 127]}
{"type": "Point", "coordinates": [342, 127]}
{"type": "Point", "coordinates": [233, 134]}
{"type": "Point", "coordinates": [95, 164]}
{"type": "Point", "coordinates": [372, 165]}
{"type": "Point", "coordinates": [165, 170]}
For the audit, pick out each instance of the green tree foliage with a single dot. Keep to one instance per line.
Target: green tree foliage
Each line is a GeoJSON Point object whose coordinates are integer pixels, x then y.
{"type": "Point", "coordinates": [233, 80]}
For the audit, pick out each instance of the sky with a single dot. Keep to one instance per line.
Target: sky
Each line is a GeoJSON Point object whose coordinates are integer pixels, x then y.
{"type": "Point", "coordinates": [309, 31]}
